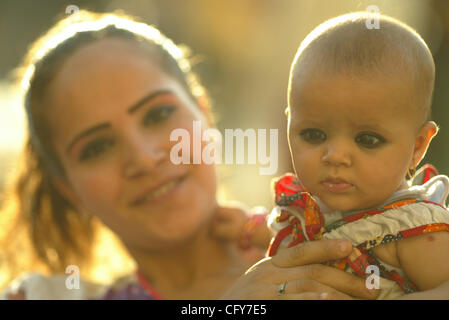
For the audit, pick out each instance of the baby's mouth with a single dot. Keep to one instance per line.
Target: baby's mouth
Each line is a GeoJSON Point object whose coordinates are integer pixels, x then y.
{"type": "Point", "coordinates": [336, 185]}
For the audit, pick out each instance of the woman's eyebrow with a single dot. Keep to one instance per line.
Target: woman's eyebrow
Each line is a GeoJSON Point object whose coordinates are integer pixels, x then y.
{"type": "Point", "coordinates": [148, 97]}
{"type": "Point", "coordinates": [132, 109]}
{"type": "Point", "coordinates": [87, 132]}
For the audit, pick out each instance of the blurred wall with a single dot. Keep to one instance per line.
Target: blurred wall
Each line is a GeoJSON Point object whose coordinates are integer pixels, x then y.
{"type": "Point", "coordinates": [245, 50]}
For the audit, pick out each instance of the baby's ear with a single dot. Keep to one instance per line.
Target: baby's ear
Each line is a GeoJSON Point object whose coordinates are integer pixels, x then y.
{"type": "Point", "coordinates": [423, 139]}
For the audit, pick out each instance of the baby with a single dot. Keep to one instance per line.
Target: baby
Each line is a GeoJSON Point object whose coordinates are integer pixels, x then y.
{"type": "Point", "coordinates": [359, 104]}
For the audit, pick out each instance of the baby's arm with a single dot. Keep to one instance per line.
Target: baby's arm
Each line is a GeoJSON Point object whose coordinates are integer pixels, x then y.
{"type": "Point", "coordinates": [425, 260]}
{"type": "Point", "coordinates": [439, 293]}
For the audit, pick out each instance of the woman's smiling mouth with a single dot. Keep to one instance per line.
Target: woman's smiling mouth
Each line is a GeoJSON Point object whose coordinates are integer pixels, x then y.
{"type": "Point", "coordinates": [158, 193]}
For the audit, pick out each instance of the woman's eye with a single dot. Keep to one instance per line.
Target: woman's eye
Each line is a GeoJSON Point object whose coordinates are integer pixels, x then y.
{"type": "Point", "coordinates": [369, 140]}
{"type": "Point", "coordinates": [158, 114]}
{"type": "Point", "coordinates": [95, 148]}
{"type": "Point", "coordinates": [313, 135]}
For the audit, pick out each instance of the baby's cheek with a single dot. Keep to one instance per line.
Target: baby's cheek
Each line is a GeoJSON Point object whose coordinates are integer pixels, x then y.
{"type": "Point", "coordinates": [385, 177]}
{"type": "Point", "coordinates": [309, 173]}
{"type": "Point", "coordinates": [305, 160]}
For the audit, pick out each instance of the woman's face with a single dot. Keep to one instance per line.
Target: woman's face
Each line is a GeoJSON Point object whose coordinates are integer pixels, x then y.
{"type": "Point", "coordinates": [111, 110]}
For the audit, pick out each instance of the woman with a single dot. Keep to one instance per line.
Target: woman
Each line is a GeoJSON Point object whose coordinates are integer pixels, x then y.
{"type": "Point", "coordinates": [102, 95]}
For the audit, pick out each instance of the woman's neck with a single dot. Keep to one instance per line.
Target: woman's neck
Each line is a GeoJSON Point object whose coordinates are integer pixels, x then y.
{"type": "Point", "coordinates": [185, 266]}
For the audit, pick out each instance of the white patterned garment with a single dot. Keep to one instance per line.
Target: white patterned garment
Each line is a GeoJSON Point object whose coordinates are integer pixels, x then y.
{"type": "Point", "coordinates": [379, 226]}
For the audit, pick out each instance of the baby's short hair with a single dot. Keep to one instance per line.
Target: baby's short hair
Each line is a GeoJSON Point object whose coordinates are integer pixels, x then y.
{"type": "Point", "coordinates": [346, 44]}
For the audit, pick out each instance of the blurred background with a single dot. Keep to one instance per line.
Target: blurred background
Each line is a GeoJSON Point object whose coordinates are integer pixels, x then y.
{"type": "Point", "coordinates": [244, 48]}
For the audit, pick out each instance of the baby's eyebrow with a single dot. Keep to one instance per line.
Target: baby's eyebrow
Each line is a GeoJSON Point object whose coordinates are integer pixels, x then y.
{"type": "Point", "coordinates": [355, 127]}
{"type": "Point", "coordinates": [370, 127]}
{"type": "Point", "coordinates": [307, 122]}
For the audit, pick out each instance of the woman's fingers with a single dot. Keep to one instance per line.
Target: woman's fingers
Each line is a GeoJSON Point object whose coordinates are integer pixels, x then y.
{"type": "Point", "coordinates": [315, 296]}
{"type": "Point", "coordinates": [300, 267]}
{"type": "Point", "coordinates": [311, 289]}
{"type": "Point", "coordinates": [301, 296]}
{"type": "Point", "coordinates": [303, 262]}
{"type": "Point", "coordinates": [312, 252]}
{"type": "Point", "coordinates": [223, 230]}
{"type": "Point", "coordinates": [228, 222]}
{"type": "Point", "coordinates": [332, 277]}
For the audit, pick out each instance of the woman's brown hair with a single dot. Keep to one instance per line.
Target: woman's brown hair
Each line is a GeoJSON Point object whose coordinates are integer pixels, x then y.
{"type": "Point", "coordinates": [38, 226]}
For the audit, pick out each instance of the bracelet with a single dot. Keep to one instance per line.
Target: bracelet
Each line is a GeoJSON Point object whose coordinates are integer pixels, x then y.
{"type": "Point", "coordinates": [249, 228]}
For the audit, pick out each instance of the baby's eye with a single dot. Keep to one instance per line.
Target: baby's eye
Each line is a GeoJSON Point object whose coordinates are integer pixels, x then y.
{"type": "Point", "coordinates": [313, 136]}
{"type": "Point", "coordinates": [95, 148]}
{"type": "Point", "coordinates": [369, 140]}
{"type": "Point", "coordinates": [158, 114]}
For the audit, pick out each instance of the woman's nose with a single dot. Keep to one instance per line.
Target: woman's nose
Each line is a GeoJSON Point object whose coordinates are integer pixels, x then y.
{"type": "Point", "coordinates": [337, 154]}
{"type": "Point", "coordinates": [143, 156]}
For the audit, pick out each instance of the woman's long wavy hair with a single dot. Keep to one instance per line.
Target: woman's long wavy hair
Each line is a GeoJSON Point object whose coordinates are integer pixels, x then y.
{"type": "Point", "coordinates": [39, 228]}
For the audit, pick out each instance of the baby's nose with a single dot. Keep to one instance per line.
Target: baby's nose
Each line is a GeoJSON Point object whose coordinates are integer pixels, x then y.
{"type": "Point", "coordinates": [337, 154]}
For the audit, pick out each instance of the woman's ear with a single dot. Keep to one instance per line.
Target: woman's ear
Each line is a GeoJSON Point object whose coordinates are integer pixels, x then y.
{"type": "Point", "coordinates": [422, 142]}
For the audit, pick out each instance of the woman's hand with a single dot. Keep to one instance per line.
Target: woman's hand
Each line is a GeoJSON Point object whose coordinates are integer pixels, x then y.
{"type": "Point", "coordinates": [304, 277]}
{"type": "Point", "coordinates": [229, 224]}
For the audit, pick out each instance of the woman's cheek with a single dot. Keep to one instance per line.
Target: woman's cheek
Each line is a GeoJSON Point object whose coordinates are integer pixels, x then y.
{"type": "Point", "coordinates": [99, 188]}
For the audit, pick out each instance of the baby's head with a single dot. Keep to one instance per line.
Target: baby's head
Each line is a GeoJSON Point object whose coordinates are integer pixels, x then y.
{"type": "Point", "coordinates": [359, 107]}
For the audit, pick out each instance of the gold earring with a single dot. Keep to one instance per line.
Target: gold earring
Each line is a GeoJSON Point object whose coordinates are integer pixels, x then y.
{"type": "Point", "coordinates": [412, 174]}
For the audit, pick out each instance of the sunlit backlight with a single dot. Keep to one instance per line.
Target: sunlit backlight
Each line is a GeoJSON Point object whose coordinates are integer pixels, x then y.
{"type": "Point", "coordinates": [12, 120]}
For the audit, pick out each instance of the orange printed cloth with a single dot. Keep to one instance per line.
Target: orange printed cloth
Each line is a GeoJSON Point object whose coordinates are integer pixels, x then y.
{"type": "Point", "coordinates": [419, 210]}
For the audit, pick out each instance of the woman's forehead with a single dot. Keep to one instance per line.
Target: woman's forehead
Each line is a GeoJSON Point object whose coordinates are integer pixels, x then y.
{"type": "Point", "coordinates": [104, 58]}
{"type": "Point", "coordinates": [107, 71]}
{"type": "Point", "coordinates": [97, 83]}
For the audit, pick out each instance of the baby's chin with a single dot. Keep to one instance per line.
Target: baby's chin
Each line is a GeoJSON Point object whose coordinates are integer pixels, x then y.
{"type": "Point", "coordinates": [342, 204]}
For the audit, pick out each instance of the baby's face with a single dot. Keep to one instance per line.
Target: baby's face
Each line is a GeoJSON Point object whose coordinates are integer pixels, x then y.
{"type": "Point", "coordinates": [351, 139]}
